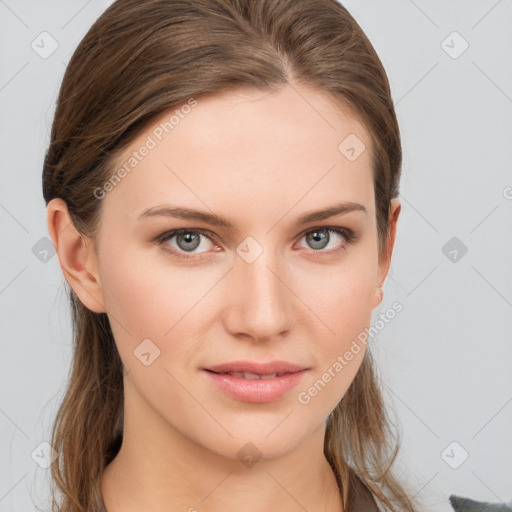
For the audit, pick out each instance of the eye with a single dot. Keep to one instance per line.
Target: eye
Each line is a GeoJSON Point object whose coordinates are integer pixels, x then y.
{"type": "Point", "coordinates": [320, 238]}
{"type": "Point", "coordinates": [187, 241]}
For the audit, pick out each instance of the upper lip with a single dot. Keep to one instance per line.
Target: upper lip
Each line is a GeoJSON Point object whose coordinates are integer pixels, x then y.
{"type": "Point", "coordinates": [257, 368]}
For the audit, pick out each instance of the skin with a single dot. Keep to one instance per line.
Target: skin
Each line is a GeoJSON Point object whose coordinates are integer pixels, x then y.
{"type": "Point", "coordinates": [261, 160]}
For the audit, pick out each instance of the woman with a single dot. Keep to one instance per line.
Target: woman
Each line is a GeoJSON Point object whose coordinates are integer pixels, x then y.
{"type": "Point", "coordinates": [221, 188]}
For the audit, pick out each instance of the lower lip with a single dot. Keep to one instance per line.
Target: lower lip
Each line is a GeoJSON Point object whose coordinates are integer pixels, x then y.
{"type": "Point", "coordinates": [255, 390]}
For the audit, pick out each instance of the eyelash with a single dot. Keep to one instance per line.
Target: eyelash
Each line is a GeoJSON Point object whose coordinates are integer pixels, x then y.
{"type": "Point", "coordinates": [349, 238]}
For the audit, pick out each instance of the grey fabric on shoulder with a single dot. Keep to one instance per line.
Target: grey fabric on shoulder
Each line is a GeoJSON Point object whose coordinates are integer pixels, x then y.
{"type": "Point", "coordinates": [461, 504]}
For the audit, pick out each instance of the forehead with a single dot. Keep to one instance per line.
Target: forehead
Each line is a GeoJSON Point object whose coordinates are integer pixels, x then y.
{"type": "Point", "coordinates": [249, 151]}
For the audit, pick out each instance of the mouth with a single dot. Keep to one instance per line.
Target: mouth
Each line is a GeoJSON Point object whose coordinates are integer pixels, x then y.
{"type": "Point", "coordinates": [251, 376]}
{"type": "Point", "coordinates": [254, 369]}
{"type": "Point", "coordinates": [255, 382]}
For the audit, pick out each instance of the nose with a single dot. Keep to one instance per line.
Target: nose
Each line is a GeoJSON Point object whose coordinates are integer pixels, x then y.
{"type": "Point", "coordinates": [260, 304]}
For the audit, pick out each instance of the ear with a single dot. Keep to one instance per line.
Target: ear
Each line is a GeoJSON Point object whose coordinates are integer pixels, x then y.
{"type": "Point", "coordinates": [385, 258]}
{"type": "Point", "coordinates": [76, 256]}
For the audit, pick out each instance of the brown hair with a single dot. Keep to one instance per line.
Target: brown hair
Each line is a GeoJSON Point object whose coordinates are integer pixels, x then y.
{"type": "Point", "coordinates": [141, 58]}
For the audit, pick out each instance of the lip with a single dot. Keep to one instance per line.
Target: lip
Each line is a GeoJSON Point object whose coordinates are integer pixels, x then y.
{"type": "Point", "coordinates": [255, 390]}
{"type": "Point", "coordinates": [256, 367]}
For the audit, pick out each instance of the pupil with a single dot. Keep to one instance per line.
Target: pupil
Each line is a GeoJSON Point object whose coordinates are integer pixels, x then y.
{"type": "Point", "coordinates": [188, 238]}
{"type": "Point", "coordinates": [317, 239]}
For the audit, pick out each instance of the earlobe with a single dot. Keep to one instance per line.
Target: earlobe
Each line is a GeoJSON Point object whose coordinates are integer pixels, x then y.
{"type": "Point", "coordinates": [76, 256]}
{"type": "Point", "coordinates": [379, 294]}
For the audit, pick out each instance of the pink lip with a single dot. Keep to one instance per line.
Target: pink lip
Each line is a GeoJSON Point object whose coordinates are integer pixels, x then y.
{"type": "Point", "coordinates": [255, 390]}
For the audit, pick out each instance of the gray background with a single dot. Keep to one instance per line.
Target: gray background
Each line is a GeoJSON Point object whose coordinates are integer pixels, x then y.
{"type": "Point", "coordinates": [445, 359]}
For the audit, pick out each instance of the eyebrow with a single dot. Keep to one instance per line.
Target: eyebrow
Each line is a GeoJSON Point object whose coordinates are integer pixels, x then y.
{"type": "Point", "coordinates": [218, 221]}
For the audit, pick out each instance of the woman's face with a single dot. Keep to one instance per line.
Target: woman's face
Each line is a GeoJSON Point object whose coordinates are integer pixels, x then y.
{"type": "Point", "coordinates": [269, 287]}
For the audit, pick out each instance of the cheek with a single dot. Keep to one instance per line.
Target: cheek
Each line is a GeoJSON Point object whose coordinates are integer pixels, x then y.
{"type": "Point", "coordinates": [340, 297]}
{"type": "Point", "coordinates": [136, 289]}
{"type": "Point", "coordinates": [341, 305]}
{"type": "Point", "coordinates": [148, 299]}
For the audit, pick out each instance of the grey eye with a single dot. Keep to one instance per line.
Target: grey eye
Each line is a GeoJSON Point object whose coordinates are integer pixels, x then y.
{"type": "Point", "coordinates": [319, 239]}
{"type": "Point", "coordinates": [188, 241]}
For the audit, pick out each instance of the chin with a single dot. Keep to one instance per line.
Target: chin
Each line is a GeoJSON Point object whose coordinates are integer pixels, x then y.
{"type": "Point", "coordinates": [250, 444]}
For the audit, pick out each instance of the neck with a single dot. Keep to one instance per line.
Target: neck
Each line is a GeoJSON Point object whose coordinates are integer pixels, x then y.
{"type": "Point", "coordinates": [160, 469]}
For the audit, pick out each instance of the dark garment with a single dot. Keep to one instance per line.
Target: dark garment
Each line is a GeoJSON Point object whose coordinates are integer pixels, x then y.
{"type": "Point", "coordinates": [461, 504]}
{"type": "Point", "coordinates": [361, 500]}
